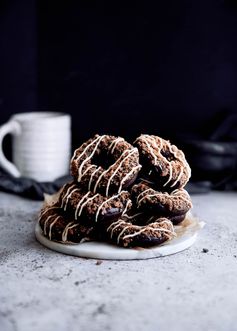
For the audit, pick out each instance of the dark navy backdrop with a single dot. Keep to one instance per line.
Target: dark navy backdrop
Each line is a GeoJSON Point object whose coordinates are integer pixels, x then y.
{"type": "Point", "coordinates": [162, 67]}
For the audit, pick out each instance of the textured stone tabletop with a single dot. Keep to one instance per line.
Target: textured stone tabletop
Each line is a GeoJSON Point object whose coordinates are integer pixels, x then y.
{"type": "Point", "coordinates": [192, 290]}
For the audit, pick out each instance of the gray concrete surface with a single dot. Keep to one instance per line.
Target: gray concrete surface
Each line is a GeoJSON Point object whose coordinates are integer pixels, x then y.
{"type": "Point", "coordinates": [44, 290]}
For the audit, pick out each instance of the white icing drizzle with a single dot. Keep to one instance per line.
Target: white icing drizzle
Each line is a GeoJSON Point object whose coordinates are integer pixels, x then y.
{"type": "Point", "coordinates": [170, 174]}
{"type": "Point", "coordinates": [131, 216]}
{"type": "Point", "coordinates": [127, 176]}
{"type": "Point", "coordinates": [67, 193]}
{"type": "Point", "coordinates": [86, 148]}
{"type": "Point", "coordinates": [126, 207]}
{"type": "Point", "coordinates": [100, 177]}
{"type": "Point", "coordinates": [121, 160]}
{"type": "Point", "coordinates": [74, 155]}
{"type": "Point", "coordinates": [175, 192]}
{"type": "Point", "coordinates": [92, 175]}
{"type": "Point", "coordinates": [46, 210]}
{"type": "Point", "coordinates": [51, 226]}
{"type": "Point", "coordinates": [165, 222]}
{"type": "Point", "coordinates": [181, 158]}
{"type": "Point", "coordinates": [174, 150]}
{"type": "Point", "coordinates": [90, 167]}
{"type": "Point", "coordinates": [179, 194]}
{"type": "Point", "coordinates": [135, 233]}
{"type": "Point", "coordinates": [97, 141]}
{"type": "Point", "coordinates": [68, 190]}
{"type": "Point", "coordinates": [68, 197]}
{"type": "Point", "coordinates": [116, 225]}
{"type": "Point", "coordinates": [150, 219]}
{"type": "Point", "coordinates": [149, 228]}
{"type": "Point", "coordinates": [69, 226]}
{"type": "Point", "coordinates": [182, 194]}
{"type": "Point", "coordinates": [140, 229]}
{"type": "Point", "coordinates": [46, 223]}
{"type": "Point", "coordinates": [111, 147]}
{"type": "Point", "coordinates": [144, 193]}
{"type": "Point", "coordinates": [153, 140]}
{"type": "Point", "coordinates": [85, 203]}
{"type": "Point", "coordinates": [130, 152]}
{"type": "Point", "coordinates": [103, 203]}
{"type": "Point", "coordinates": [178, 178]}
{"type": "Point", "coordinates": [121, 233]}
{"type": "Point", "coordinates": [178, 155]}
{"type": "Point", "coordinates": [79, 204]}
{"type": "Point", "coordinates": [114, 144]}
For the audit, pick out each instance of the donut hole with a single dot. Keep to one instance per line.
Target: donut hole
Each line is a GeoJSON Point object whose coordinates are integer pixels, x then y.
{"type": "Point", "coordinates": [168, 155]}
{"type": "Point", "coordinates": [102, 159]}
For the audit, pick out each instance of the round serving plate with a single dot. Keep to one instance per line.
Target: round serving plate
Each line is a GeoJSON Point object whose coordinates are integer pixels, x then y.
{"type": "Point", "coordinates": [187, 233]}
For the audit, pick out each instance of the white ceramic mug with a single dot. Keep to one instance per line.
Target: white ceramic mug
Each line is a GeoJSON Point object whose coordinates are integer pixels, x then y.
{"type": "Point", "coordinates": [41, 145]}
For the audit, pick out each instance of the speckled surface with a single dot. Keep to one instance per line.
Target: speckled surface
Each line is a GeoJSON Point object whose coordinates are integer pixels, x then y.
{"type": "Point", "coordinates": [44, 290]}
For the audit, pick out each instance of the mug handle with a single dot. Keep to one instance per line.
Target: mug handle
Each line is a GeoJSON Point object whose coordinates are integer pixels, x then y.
{"type": "Point", "coordinates": [11, 127]}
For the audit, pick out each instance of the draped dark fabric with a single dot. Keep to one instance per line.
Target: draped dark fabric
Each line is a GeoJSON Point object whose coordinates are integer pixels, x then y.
{"type": "Point", "coordinates": [29, 188]}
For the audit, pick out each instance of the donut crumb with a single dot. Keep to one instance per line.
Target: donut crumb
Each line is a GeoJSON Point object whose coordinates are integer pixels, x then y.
{"type": "Point", "coordinates": [99, 262]}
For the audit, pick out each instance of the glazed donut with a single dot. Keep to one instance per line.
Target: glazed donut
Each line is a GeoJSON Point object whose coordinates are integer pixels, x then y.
{"type": "Point", "coordinates": [172, 205]}
{"type": "Point", "coordinates": [56, 226]}
{"type": "Point", "coordinates": [127, 234]}
{"type": "Point", "coordinates": [162, 162]}
{"type": "Point", "coordinates": [92, 207]}
{"type": "Point", "coordinates": [105, 164]}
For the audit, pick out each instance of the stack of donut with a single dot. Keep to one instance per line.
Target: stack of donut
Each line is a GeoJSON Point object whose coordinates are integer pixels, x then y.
{"type": "Point", "coordinates": [128, 195]}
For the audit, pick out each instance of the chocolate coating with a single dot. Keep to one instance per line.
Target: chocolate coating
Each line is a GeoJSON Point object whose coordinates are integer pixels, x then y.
{"type": "Point", "coordinates": [172, 205]}
{"type": "Point", "coordinates": [127, 234]}
{"type": "Point", "coordinates": [92, 207]}
{"type": "Point", "coordinates": [162, 163]}
{"type": "Point", "coordinates": [105, 164]}
{"type": "Point", "coordinates": [58, 226]}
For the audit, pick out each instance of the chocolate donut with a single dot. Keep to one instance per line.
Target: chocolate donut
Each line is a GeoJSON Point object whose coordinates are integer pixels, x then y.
{"type": "Point", "coordinates": [162, 162]}
{"type": "Point", "coordinates": [172, 205]}
{"type": "Point", "coordinates": [127, 234]}
{"type": "Point", "coordinates": [97, 204]}
{"type": "Point", "coordinates": [105, 164]}
{"type": "Point", "coordinates": [93, 207]}
{"type": "Point", "coordinates": [57, 226]}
